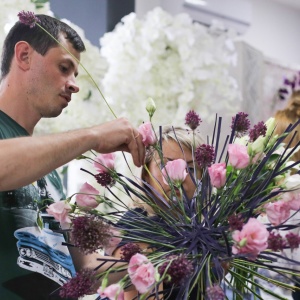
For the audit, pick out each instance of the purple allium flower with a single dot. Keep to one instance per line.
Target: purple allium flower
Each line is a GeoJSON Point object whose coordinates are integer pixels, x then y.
{"type": "Point", "coordinates": [192, 119]}
{"type": "Point", "coordinates": [128, 250]}
{"type": "Point", "coordinates": [90, 233]}
{"type": "Point", "coordinates": [235, 222]}
{"type": "Point", "coordinates": [28, 18]}
{"type": "Point", "coordinates": [105, 179]}
{"type": "Point", "coordinates": [79, 285]}
{"type": "Point", "coordinates": [204, 155]}
{"type": "Point", "coordinates": [275, 242]}
{"type": "Point", "coordinates": [178, 267]}
{"type": "Point", "coordinates": [293, 240]}
{"type": "Point", "coordinates": [258, 130]}
{"type": "Point", "coordinates": [242, 124]}
{"type": "Point", "coordinates": [215, 292]}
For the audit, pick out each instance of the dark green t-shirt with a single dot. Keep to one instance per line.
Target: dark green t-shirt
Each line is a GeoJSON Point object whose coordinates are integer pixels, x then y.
{"type": "Point", "coordinates": [27, 257]}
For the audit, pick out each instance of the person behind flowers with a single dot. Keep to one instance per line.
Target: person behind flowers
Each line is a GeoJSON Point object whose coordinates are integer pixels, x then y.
{"type": "Point", "coordinates": [38, 78]}
{"type": "Point", "coordinates": [283, 118]}
{"type": "Point", "coordinates": [178, 143]}
{"type": "Point", "coordinates": [289, 115]}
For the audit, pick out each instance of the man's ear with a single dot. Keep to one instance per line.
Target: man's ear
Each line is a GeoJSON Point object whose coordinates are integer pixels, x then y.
{"type": "Point", "coordinates": [23, 53]}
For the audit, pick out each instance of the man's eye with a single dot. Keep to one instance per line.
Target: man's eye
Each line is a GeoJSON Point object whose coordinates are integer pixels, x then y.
{"type": "Point", "coordinates": [64, 69]}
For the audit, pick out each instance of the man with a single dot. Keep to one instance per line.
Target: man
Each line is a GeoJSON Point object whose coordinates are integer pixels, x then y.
{"type": "Point", "coordinates": [38, 80]}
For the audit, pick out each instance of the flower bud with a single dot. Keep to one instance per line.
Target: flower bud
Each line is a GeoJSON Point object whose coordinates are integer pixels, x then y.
{"type": "Point", "coordinates": [243, 242]}
{"type": "Point", "coordinates": [150, 107]}
{"type": "Point", "coordinates": [270, 123]}
{"type": "Point", "coordinates": [258, 146]}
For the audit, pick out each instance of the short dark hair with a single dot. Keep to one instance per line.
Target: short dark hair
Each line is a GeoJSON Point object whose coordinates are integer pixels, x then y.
{"type": "Point", "coordinates": [38, 39]}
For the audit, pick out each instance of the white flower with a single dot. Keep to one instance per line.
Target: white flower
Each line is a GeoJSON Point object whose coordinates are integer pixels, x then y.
{"type": "Point", "coordinates": [292, 182]}
{"type": "Point", "coordinates": [173, 60]}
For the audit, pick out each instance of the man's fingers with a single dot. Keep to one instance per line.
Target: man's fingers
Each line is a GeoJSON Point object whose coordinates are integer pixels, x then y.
{"type": "Point", "coordinates": [137, 149]}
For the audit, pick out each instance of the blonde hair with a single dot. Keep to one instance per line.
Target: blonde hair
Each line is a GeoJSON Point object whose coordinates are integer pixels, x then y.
{"type": "Point", "coordinates": [289, 115]}
{"type": "Point", "coordinates": [183, 136]}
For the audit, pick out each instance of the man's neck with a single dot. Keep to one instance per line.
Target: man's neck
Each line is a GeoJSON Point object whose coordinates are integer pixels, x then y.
{"type": "Point", "coordinates": [18, 110]}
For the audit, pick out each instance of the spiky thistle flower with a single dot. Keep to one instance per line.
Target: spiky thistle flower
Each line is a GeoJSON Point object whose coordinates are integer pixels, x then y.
{"type": "Point", "coordinates": [275, 242]}
{"type": "Point", "coordinates": [105, 179]}
{"type": "Point", "coordinates": [204, 155]}
{"type": "Point", "coordinates": [258, 130]}
{"type": "Point", "coordinates": [90, 233]}
{"type": "Point", "coordinates": [128, 250]}
{"type": "Point", "coordinates": [192, 119]}
{"type": "Point", "coordinates": [240, 123]}
{"type": "Point", "coordinates": [79, 285]}
{"type": "Point", "coordinates": [28, 18]}
{"type": "Point", "coordinates": [293, 240]}
{"type": "Point", "coordinates": [235, 222]}
{"type": "Point", "coordinates": [177, 268]}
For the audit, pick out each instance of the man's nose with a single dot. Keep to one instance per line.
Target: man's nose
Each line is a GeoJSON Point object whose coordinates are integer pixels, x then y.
{"type": "Point", "coordinates": [72, 86]}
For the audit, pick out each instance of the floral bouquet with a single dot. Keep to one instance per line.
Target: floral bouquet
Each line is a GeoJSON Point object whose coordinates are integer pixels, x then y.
{"type": "Point", "coordinates": [196, 247]}
{"type": "Point", "coordinates": [190, 247]}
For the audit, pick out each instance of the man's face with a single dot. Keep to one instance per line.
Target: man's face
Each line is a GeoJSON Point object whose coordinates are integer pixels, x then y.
{"type": "Point", "coordinates": [51, 81]}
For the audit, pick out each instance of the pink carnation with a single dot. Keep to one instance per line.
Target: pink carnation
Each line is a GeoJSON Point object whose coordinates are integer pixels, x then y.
{"type": "Point", "coordinates": [176, 171]}
{"type": "Point", "coordinates": [147, 133]}
{"type": "Point", "coordinates": [277, 212]}
{"type": "Point", "coordinates": [60, 211]}
{"type": "Point", "coordinates": [217, 174]}
{"type": "Point", "coordinates": [104, 162]}
{"type": "Point", "coordinates": [252, 239]}
{"type": "Point", "coordinates": [238, 156]}
{"type": "Point", "coordinates": [112, 292]}
{"type": "Point", "coordinates": [141, 273]}
{"type": "Point", "coordinates": [87, 196]}
{"type": "Point", "coordinates": [292, 199]}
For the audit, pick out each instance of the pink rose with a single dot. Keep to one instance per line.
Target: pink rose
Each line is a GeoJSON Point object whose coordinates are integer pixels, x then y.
{"type": "Point", "coordinates": [217, 174]}
{"type": "Point", "coordinates": [252, 239]}
{"type": "Point", "coordinates": [277, 212]}
{"type": "Point", "coordinates": [113, 242]}
{"type": "Point", "coordinates": [103, 162]}
{"type": "Point", "coordinates": [141, 273]}
{"type": "Point", "coordinates": [292, 199]}
{"type": "Point", "coordinates": [113, 292]}
{"type": "Point", "coordinates": [238, 156]}
{"type": "Point", "coordinates": [147, 133]}
{"type": "Point", "coordinates": [136, 261]}
{"type": "Point", "coordinates": [87, 196]}
{"type": "Point", "coordinates": [60, 211]}
{"type": "Point", "coordinates": [175, 170]}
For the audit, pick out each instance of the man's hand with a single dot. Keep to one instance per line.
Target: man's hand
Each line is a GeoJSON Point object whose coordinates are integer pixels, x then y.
{"type": "Point", "coordinates": [119, 135]}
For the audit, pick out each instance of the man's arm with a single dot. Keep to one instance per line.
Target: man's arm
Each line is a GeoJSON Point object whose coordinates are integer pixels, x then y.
{"type": "Point", "coordinates": [24, 160]}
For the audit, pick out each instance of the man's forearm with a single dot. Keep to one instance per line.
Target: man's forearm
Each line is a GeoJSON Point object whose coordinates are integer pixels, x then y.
{"type": "Point", "coordinates": [24, 160]}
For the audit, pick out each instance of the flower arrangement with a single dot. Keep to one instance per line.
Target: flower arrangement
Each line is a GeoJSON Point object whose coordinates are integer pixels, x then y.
{"type": "Point", "coordinates": [204, 244]}
{"type": "Point", "coordinates": [179, 63]}
{"type": "Point", "coordinates": [195, 246]}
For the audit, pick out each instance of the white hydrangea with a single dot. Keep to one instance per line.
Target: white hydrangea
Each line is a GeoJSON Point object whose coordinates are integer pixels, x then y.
{"type": "Point", "coordinates": [182, 65]}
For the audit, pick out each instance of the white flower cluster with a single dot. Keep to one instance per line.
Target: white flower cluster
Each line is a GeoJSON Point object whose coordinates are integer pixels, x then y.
{"type": "Point", "coordinates": [179, 63]}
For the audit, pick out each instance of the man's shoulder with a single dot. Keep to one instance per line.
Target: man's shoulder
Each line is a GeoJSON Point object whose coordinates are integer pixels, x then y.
{"type": "Point", "coordinates": [9, 128]}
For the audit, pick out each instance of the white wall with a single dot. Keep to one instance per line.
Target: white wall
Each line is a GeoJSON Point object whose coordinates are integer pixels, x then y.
{"type": "Point", "coordinates": [273, 30]}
